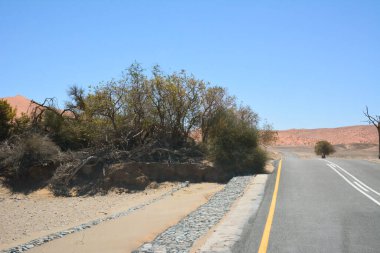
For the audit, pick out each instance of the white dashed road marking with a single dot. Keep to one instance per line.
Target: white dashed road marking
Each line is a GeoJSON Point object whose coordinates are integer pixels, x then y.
{"type": "Point", "coordinates": [354, 182]}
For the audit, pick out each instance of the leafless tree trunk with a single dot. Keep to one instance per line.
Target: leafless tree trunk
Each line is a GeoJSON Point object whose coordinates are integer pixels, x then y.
{"type": "Point", "coordinates": [374, 120]}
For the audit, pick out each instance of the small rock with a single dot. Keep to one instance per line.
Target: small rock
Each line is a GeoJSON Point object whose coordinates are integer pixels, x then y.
{"type": "Point", "coordinates": [153, 185]}
{"type": "Point", "coordinates": [29, 246]}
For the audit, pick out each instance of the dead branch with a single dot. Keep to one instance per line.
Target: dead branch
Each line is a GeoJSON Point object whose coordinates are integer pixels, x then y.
{"type": "Point", "coordinates": [375, 120]}
{"type": "Point", "coordinates": [75, 171]}
{"type": "Point", "coordinates": [47, 105]}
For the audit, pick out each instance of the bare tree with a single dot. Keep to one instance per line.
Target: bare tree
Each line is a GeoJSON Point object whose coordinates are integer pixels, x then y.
{"type": "Point", "coordinates": [374, 120]}
{"type": "Point", "coordinates": [267, 135]}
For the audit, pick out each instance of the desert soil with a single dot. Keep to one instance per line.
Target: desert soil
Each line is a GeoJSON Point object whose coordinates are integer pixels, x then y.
{"type": "Point", "coordinates": [362, 151]}
{"type": "Point", "coordinates": [364, 134]}
{"type": "Point", "coordinates": [27, 217]}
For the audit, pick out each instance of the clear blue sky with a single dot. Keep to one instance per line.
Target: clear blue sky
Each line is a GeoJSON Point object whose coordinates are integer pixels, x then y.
{"type": "Point", "coordinates": [299, 64]}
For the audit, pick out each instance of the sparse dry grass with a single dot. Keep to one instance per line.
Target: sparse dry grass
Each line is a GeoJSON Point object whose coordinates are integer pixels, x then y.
{"type": "Point", "coordinates": [273, 155]}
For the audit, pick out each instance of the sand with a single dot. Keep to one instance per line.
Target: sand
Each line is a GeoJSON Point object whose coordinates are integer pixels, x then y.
{"type": "Point", "coordinates": [340, 135]}
{"type": "Point", "coordinates": [128, 233]}
{"type": "Point", "coordinates": [26, 217]}
{"type": "Point", "coordinates": [367, 152]}
{"type": "Point", "coordinates": [21, 104]}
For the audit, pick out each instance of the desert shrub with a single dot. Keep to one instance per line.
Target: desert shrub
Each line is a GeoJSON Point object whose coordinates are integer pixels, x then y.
{"type": "Point", "coordinates": [21, 124]}
{"type": "Point", "coordinates": [137, 109]}
{"type": "Point", "coordinates": [233, 144]}
{"type": "Point", "coordinates": [62, 128]}
{"type": "Point", "coordinates": [268, 136]}
{"type": "Point", "coordinates": [73, 135]}
{"type": "Point", "coordinates": [30, 151]}
{"type": "Point", "coordinates": [52, 121]}
{"type": "Point", "coordinates": [5, 151]}
{"type": "Point", "coordinates": [323, 148]}
{"type": "Point", "coordinates": [7, 113]}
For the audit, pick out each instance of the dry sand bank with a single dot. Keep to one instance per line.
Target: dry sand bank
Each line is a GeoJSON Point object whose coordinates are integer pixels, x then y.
{"type": "Point", "coordinates": [127, 233]}
{"type": "Point", "coordinates": [26, 217]}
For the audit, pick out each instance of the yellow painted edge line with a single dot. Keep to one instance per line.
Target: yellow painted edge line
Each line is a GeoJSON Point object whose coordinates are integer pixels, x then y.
{"type": "Point", "coordinates": [268, 224]}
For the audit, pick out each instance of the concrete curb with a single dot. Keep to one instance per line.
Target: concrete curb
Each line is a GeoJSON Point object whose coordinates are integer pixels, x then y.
{"type": "Point", "coordinates": [229, 230]}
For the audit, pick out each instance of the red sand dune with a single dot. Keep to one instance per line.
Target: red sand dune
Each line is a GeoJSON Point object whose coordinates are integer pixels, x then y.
{"type": "Point", "coordinates": [21, 103]}
{"type": "Point", "coordinates": [340, 135]}
{"type": "Point", "coordinates": [24, 105]}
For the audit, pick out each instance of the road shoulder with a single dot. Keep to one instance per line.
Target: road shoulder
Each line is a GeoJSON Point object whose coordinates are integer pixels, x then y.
{"type": "Point", "coordinates": [223, 236]}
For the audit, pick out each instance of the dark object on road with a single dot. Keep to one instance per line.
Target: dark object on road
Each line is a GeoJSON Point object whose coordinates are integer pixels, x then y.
{"type": "Point", "coordinates": [324, 148]}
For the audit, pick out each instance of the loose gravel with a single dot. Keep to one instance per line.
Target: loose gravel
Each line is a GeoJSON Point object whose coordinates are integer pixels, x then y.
{"type": "Point", "coordinates": [180, 237]}
{"type": "Point", "coordinates": [42, 240]}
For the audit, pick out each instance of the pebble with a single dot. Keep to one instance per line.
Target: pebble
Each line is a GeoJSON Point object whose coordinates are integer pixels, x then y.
{"type": "Point", "coordinates": [180, 238]}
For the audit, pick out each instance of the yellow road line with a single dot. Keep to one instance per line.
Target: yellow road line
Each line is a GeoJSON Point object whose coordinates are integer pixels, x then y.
{"type": "Point", "coordinates": [268, 224]}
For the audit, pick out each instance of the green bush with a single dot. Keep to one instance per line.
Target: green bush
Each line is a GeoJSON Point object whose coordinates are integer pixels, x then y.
{"type": "Point", "coordinates": [323, 148]}
{"type": "Point", "coordinates": [233, 144]}
{"type": "Point", "coordinates": [6, 116]}
{"type": "Point", "coordinates": [21, 124]}
{"type": "Point", "coordinates": [73, 135]}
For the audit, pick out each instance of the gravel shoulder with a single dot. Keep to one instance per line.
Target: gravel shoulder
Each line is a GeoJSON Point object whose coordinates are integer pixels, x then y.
{"type": "Point", "coordinates": [223, 236]}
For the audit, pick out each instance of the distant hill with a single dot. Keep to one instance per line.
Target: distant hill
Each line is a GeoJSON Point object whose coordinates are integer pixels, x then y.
{"type": "Point", "coordinates": [341, 135]}
{"type": "Point", "coordinates": [21, 103]}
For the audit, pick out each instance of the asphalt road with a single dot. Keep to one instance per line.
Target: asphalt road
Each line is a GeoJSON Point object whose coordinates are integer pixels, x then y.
{"type": "Point", "coordinates": [329, 205]}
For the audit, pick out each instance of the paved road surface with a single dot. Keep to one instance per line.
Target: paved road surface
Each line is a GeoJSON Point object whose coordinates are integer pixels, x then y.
{"type": "Point", "coordinates": [330, 205]}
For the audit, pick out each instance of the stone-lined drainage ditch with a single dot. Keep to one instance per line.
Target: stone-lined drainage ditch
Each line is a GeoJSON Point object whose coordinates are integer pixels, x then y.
{"type": "Point", "coordinates": [42, 240]}
{"type": "Point", "coordinates": [181, 237]}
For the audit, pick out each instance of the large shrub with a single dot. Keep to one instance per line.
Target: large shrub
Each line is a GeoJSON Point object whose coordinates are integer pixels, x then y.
{"type": "Point", "coordinates": [21, 124]}
{"type": "Point", "coordinates": [137, 109]}
{"type": "Point", "coordinates": [73, 134]}
{"type": "Point", "coordinates": [32, 151]}
{"type": "Point", "coordinates": [7, 113]}
{"type": "Point", "coordinates": [233, 143]}
{"type": "Point", "coordinates": [324, 148]}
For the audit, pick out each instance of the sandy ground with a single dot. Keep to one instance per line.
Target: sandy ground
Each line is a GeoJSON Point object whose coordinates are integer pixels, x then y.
{"type": "Point", "coordinates": [128, 233]}
{"type": "Point", "coordinates": [26, 217]}
{"type": "Point", "coordinates": [340, 135]}
{"type": "Point", "coordinates": [367, 152]}
{"type": "Point", "coordinates": [273, 155]}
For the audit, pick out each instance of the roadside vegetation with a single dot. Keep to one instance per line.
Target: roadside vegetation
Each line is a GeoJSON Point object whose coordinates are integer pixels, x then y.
{"type": "Point", "coordinates": [7, 114]}
{"type": "Point", "coordinates": [324, 148]}
{"type": "Point", "coordinates": [373, 120]}
{"type": "Point", "coordinates": [162, 118]}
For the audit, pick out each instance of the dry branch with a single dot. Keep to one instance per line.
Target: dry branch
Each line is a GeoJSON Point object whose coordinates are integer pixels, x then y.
{"type": "Point", "coordinates": [374, 120]}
